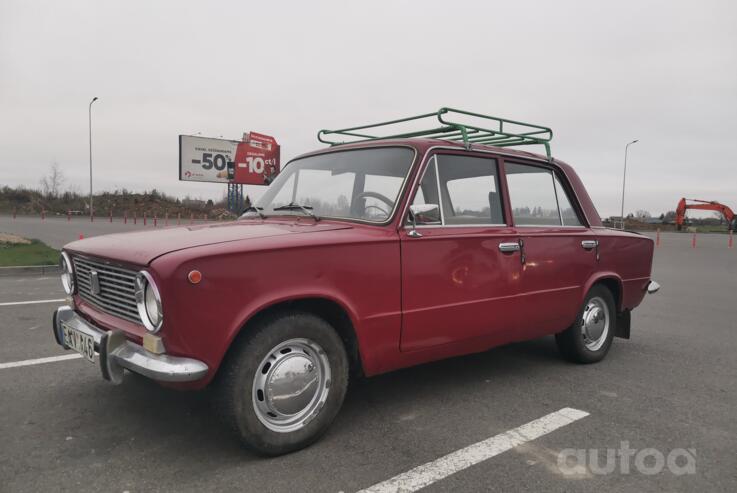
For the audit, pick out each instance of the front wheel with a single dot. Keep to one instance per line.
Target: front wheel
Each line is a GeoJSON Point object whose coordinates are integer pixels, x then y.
{"type": "Point", "coordinates": [284, 383]}
{"type": "Point", "coordinates": [588, 340]}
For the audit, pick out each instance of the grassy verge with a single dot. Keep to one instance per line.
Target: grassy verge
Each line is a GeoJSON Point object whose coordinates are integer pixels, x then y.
{"type": "Point", "coordinates": [33, 253]}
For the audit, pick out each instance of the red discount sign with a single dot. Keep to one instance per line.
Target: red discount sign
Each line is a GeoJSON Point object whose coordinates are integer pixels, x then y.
{"type": "Point", "coordinates": [256, 160]}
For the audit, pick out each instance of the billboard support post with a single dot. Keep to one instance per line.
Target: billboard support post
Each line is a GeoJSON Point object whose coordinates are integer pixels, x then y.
{"type": "Point", "coordinates": [235, 198]}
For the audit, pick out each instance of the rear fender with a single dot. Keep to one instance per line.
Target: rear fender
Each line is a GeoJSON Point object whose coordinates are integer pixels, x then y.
{"type": "Point", "coordinates": [612, 281]}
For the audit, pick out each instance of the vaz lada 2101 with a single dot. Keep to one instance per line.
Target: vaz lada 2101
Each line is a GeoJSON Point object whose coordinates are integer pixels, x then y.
{"type": "Point", "coordinates": [367, 256]}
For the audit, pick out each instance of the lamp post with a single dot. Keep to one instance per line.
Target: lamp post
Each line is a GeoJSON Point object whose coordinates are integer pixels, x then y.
{"type": "Point", "coordinates": [624, 177]}
{"type": "Point", "coordinates": [90, 115]}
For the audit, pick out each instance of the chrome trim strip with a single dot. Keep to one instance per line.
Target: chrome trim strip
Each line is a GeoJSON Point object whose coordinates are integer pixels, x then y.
{"type": "Point", "coordinates": [437, 184]}
{"type": "Point", "coordinates": [459, 226]}
{"type": "Point", "coordinates": [549, 226]}
{"type": "Point", "coordinates": [72, 272]}
{"type": "Point", "coordinates": [144, 280]}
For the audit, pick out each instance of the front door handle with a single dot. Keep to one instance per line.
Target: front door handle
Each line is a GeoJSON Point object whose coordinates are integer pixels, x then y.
{"type": "Point", "coordinates": [589, 244]}
{"type": "Point", "coordinates": [509, 247]}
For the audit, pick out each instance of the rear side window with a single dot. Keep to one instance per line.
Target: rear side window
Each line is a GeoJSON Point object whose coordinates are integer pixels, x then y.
{"type": "Point", "coordinates": [537, 197]}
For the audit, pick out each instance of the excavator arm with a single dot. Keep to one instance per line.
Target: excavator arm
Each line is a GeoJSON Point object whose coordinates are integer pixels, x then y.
{"type": "Point", "coordinates": [705, 205]}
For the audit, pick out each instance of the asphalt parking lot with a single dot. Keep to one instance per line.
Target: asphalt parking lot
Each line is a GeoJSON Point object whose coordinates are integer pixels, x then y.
{"type": "Point", "coordinates": [672, 386]}
{"type": "Point", "coordinates": [57, 231]}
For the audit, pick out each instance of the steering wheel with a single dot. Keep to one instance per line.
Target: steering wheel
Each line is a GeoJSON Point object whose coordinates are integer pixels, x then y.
{"type": "Point", "coordinates": [376, 195]}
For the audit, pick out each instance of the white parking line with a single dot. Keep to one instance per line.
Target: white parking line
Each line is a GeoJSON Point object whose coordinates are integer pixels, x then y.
{"type": "Point", "coordinates": [428, 473]}
{"type": "Point", "coordinates": [39, 361]}
{"type": "Point", "coordinates": [13, 303]}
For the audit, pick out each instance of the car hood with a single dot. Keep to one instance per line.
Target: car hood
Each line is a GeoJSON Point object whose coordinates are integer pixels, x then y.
{"type": "Point", "coordinates": [142, 247]}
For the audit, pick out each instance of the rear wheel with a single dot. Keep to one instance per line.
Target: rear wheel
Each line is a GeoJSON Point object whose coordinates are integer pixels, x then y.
{"type": "Point", "coordinates": [588, 340]}
{"type": "Point", "coordinates": [284, 383]}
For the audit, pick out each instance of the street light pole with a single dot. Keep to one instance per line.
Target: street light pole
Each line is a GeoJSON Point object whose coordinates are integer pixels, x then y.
{"type": "Point", "coordinates": [624, 178]}
{"type": "Point", "coordinates": [90, 115]}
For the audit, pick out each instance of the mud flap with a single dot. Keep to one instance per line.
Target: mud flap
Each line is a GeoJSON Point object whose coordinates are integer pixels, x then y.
{"type": "Point", "coordinates": [624, 321]}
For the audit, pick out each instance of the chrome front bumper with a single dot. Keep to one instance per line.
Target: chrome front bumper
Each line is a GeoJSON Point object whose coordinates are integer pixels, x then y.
{"type": "Point", "coordinates": [116, 353]}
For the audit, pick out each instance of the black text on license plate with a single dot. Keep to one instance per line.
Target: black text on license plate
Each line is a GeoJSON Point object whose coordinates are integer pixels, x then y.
{"type": "Point", "coordinates": [82, 343]}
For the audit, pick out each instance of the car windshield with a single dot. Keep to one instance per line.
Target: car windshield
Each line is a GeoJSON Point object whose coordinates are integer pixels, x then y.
{"type": "Point", "coordinates": [361, 184]}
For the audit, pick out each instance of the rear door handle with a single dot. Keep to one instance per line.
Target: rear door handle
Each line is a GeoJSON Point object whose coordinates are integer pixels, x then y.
{"type": "Point", "coordinates": [509, 247]}
{"type": "Point", "coordinates": [589, 244]}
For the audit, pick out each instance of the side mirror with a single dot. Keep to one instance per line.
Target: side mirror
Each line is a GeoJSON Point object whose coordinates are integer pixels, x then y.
{"type": "Point", "coordinates": [423, 214]}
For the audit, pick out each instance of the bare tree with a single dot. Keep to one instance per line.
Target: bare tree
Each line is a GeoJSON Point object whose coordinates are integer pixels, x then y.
{"type": "Point", "coordinates": [51, 184]}
{"type": "Point", "coordinates": [642, 215]}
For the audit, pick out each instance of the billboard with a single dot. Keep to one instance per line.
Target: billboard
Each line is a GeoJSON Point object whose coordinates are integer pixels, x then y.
{"type": "Point", "coordinates": [253, 161]}
{"type": "Point", "coordinates": [256, 159]}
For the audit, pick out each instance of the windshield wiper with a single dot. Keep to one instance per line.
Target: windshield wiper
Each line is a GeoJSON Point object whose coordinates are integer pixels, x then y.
{"type": "Point", "coordinates": [257, 210]}
{"type": "Point", "coordinates": [292, 206]}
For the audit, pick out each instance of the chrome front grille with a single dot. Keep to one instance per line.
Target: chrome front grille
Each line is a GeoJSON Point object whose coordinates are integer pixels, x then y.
{"type": "Point", "coordinates": [116, 293]}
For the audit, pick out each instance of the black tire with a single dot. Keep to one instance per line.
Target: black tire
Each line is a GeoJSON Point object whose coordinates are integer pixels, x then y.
{"type": "Point", "coordinates": [234, 387]}
{"type": "Point", "coordinates": [572, 343]}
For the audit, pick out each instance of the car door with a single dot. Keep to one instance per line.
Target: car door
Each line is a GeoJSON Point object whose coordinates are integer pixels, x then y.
{"type": "Point", "coordinates": [456, 282]}
{"type": "Point", "coordinates": [559, 250]}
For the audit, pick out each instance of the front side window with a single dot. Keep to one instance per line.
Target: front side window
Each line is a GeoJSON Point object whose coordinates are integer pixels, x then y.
{"type": "Point", "coordinates": [359, 184]}
{"type": "Point", "coordinates": [468, 190]}
{"type": "Point", "coordinates": [537, 197]}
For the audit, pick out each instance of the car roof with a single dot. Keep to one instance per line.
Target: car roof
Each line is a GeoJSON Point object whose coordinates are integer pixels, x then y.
{"type": "Point", "coordinates": [422, 145]}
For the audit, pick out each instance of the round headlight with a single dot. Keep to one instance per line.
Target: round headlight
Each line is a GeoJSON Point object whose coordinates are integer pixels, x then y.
{"type": "Point", "coordinates": [67, 273]}
{"type": "Point", "coordinates": [148, 302]}
{"type": "Point", "coordinates": [152, 305]}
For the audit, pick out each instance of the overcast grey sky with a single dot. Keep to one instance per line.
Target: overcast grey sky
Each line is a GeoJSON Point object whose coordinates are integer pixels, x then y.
{"type": "Point", "coordinates": [599, 73]}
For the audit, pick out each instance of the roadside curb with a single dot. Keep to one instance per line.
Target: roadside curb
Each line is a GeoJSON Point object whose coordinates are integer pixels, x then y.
{"type": "Point", "coordinates": [29, 270]}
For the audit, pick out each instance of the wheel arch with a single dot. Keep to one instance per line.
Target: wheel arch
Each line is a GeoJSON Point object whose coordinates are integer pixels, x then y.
{"type": "Point", "coordinates": [609, 280]}
{"type": "Point", "coordinates": [614, 284]}
{"type": "Point", "coordinates": [327, 308]}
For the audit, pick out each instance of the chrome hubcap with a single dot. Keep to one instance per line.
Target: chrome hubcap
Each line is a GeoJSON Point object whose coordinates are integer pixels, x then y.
{"type": "Point", "coordinates": [595, 324]}
{"type": "Point", "coordinates": [291, 385]}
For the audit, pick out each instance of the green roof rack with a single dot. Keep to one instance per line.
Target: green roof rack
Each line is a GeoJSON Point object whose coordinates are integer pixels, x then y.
{"type": "Point", "coordinates": [502, 132]}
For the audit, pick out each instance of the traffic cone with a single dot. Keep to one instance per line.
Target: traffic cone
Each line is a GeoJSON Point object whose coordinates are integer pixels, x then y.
{"type": "Point", "coordinates": [693, 241]}
{"type": "Point", "coordinates": [81, 236]}
{"type": "Point", "coordinates": [657, 238]}
{"type": "Point", "coordinates": [731, 239]}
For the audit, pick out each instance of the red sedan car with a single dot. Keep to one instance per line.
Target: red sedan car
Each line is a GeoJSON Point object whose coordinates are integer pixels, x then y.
{"type": "Point", "coordinates": [359, 259]}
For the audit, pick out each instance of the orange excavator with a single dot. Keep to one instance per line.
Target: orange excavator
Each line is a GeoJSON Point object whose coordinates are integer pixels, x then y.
{"type": "Point", "coordinates": [705, 205]}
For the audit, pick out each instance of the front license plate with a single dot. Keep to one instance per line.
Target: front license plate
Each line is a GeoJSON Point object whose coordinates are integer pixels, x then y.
{"type": "Point", "coordinates": [82, 343]}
